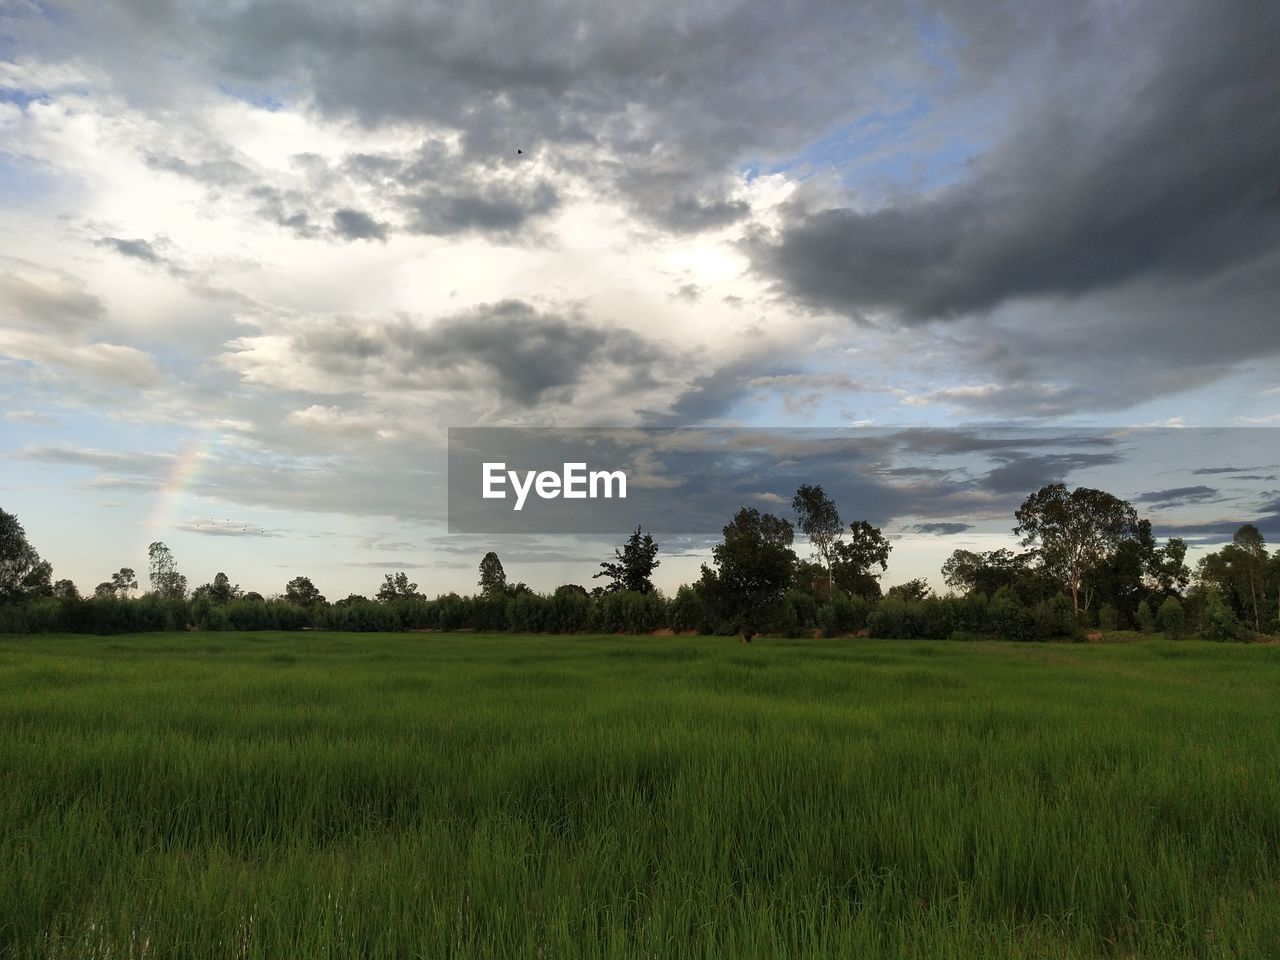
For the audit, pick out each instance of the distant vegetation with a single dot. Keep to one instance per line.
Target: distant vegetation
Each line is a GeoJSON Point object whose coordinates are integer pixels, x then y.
{"type": "Point", "coordinates": [1088, 563]}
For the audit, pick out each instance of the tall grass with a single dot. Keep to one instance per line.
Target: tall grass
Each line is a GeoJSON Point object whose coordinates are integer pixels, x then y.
{"type": "Point", "coordinates": [330, 795]}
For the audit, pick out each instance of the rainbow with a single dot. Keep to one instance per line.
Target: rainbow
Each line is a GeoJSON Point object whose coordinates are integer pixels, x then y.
{"type": "Point", "coordinates": [181, 476]}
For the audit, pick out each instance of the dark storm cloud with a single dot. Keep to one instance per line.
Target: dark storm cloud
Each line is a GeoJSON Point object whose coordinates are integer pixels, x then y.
{"type": "Point", "coordinates": [498, 209]}
{"type": "Point", "coordinates": [357, 225]}
{"type": "Point", "coordinates": [1160, 167]}
{"type": "Point", "coordinates": [1177, 496]}
{"type": "Point", "coordinates": [1025, 474]}
{"type": "Point", "coordinates": [137, 249]}
{"type": "Point", "coordinates": [660, 102]}
{"type": "Point", "coordinates": [524, 355]}
{"type": "Point", "coordinates": [942, 529]}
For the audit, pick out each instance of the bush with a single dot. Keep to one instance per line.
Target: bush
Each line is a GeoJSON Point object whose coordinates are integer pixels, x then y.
{"type": "Point", "coordinates": [1146, 618]}
{"type": "Point", "coordinates": [896, 619]}
{"type": "Point", "coordinates": [1008, 618]}
{"type": "Point", "coordinates": [1108, 618]}
{"type": "Point", "coordinates": [1172, 618]}
{"type": "Point", "coordinates": [625, 611]}
{"type": "Point", "coordinates": [844, 615]}
{"type": "Point", "coordinates": [1056, 617]}
{"type": "Point", "coordinates": [1217, 620]}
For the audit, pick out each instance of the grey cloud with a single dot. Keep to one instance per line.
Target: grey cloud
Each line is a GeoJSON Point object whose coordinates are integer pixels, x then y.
{"type": "Point", "coordinates": [1028, 473]}
{"type": "Point", "coordinates": [437, 211]}
{"type": "Point", "coordinates": [655, 101]}
{"type": "Point", "coordinates": [1266, 518]}
{"type": "Point", "coordinates": [1177, 496]}
{"type": "Point", "coordinates": [690, 215]}
{"type": "Point", "coordinates": [225, 528]}
{"type": "Point", "coordinates": [42, 298]}
{"type": "Point", "coordinates": [286, 208]}
{"type": "Point", "coordinates": [1159, 168]}
{"type": "Point", "coordinates": [117, 467]}
{"type": "Point", "coordinates": [137, 249]}
{"type": "Point", "coordinates": [524, 356]}
{"type": "Point", "coordinates": [357, 225]}
{"type": "Point", "coordinates": [214, 172]}
{"type": "Point", "coordinates": [941, 528]}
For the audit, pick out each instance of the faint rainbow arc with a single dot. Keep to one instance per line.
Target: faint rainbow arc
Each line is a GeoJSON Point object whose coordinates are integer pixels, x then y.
{"type": "Point", "coordinates": [179, 479]}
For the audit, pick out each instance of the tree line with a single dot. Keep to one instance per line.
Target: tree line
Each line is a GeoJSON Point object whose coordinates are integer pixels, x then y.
{"type": "Point", "coordinates": [1087, 562]}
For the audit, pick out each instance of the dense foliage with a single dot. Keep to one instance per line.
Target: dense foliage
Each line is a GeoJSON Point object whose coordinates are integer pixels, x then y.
{"type": "Point", "coordinates": [1093, 564]}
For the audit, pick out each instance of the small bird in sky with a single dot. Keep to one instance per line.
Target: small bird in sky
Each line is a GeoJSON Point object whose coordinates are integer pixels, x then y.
{"type": "Point", "coordinates": [518, 151]}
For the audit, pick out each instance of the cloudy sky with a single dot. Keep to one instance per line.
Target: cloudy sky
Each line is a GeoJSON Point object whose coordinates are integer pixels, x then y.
{"type": "Point", "coordinates": [258, 257]}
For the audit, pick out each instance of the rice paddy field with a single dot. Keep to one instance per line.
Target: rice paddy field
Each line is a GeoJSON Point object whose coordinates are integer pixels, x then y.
{"type": "Point", "coordinates": [420, 795]}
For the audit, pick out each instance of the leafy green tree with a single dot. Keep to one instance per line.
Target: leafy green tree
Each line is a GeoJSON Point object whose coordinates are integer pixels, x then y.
{"type": "Point", "coordinates": [223, 590]}
{"type": "Point", "coordinates": [819, 520]}
{"type": "Point", "coordinates": [754, 566]}
{"type": "Point", "coordinates": [66, 590]}
{"type": "Point", "coordinates": [397, 587]}
{"type": "Point", "coordinates": [123, 581]}
{"type": "Point", "coordinates": [1240, 572]}
{"type": "Point", "coordinates": [1074, 532]}
{"type": "Point", "coordinates": [22, 572]}
{"type": "Point", "coordinates": [105, 590]}
{"type": "Point", "coordinates": [493, 579]}
{"type": "Point", "coordinates": [219, 591]}
{"type": "Point", "coordinates": [301, 592]}
{"type": "Point", "coordinates": [985, 573]}
{"type": "Point", "coordinates": [166, 581]}
{"type": "Point", "coordinates": [633, 565]}
{"type": "Point", "coordinates": [854, 559]}
{"type": "Point", "coordinates": [917, 589]}
{"type": "Point", "coordinates": [1217, 619]}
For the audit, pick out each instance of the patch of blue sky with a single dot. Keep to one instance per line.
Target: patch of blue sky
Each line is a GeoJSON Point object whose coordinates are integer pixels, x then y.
{"type": "Point", "coordinates": [25, 182]}
{"type": "Point", "coordinates": [912, 144]}
{"type": "Point", "coordinates": [263, 99]}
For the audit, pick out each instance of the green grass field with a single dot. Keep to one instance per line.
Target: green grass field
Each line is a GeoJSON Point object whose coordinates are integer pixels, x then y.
{"type": "Point", "coordinates": [333, 795]}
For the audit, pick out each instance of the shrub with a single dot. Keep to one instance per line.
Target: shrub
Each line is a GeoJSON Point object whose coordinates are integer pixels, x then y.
{"type": "Point", "coordinates": [1108, 618]}
{"type": "Point", "coordinates": [1172, 618]}
{"type": "Point", "coordinates": [1008, 618]}
{"type": "Point", "coordinates": [842, 616]}
{"type": "Point", "coordinates": [1146, 618]}
{"type": "Point", "coordinates": [1217, 619]}
{"type": "Point", "coordinates": [1056, 617]}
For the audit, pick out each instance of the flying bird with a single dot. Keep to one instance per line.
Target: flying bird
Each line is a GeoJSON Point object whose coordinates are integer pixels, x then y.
{"type": "Point", "coordinates": [519, 151]}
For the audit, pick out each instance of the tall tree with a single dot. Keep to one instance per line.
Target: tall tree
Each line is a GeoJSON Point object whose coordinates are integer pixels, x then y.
{"type": "Point", "coordinates": [493, 579]}
{"type": "Point", "coordinates": [22, 572]}
{"type": "Point", "coordinates": [985, 573]}
{"type": "Point", "coordinates": [166, 581]}
{"type": "Point", "coordinates": [66, 590]}
{"type": "Point", "coordinates": [754, 566]}
{"type": "Point", "coordinates": [123, 581]}
{"type": "Point", "coordinates": [1253, 550]}
{"type": "Point", "coordinates": [397, 587]}
{"type": "Point", "coordinates": [633, 565]}
{"type": "Point", "coordinates": [1073, 532]}
{"type": "Point", "coordinates": [854, 559]}
{"type": "Point", "coordinates": [301, 592]}
{"type": "Point", "coordinates": [818, 520]}
{"type": "Point", "coordinates": [1240, 573]}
